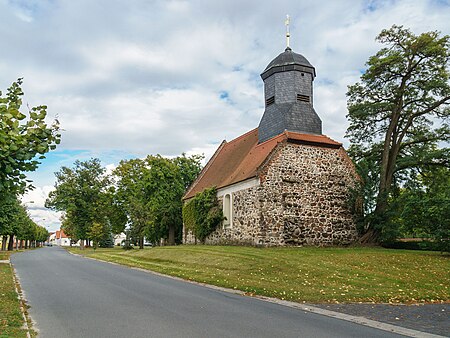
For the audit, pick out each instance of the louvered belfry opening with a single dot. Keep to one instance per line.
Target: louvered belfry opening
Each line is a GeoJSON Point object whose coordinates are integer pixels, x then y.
{"type": "Point", "coordinates": [303, 98]}
{"type": "Point", "coordinates": [270, 100]}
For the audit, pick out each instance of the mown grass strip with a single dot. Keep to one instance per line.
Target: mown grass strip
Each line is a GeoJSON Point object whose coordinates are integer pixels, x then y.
{"type": "Point", "coordinates": [315, 275]}
{"type": "Point", "coordinates": [4, 255]}
{"type": "Point", "coordinates": [11, 318]}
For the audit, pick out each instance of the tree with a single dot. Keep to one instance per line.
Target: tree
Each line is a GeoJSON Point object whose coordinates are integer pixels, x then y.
{"type": "Point", "coordinates": [399, 112]}
{"type": "Point", "coordinates": [22, 139]}
{"type": "Point", "coordinates": [26, 227]}
{"type": "Point", "coordinates": [189, 167]}
{"type": "Point", "coordinates": [9, 207]}
{"type": "Point", "coordinates": [150, 191]}
{"type": "Point", "coordinates": [15, 223]}
{"type": "Point", "coordinates": [41, 234]}
{"type": "Point", "coordinates": [97, 232]}
{"type": "Point", "coordinates": [131, 196]}
{"type": "Point", "coordinates": [424, 206]}
{"type": "Point", "coordinates": [82, 192]}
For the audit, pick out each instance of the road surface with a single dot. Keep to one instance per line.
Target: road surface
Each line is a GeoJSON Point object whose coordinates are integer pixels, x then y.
{"type": "Point", "coordinates": [71, 296]}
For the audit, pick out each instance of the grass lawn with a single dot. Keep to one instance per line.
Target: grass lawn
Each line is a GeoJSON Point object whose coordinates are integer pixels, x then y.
{"type": "Point", "coordinates": [4, 255]}
{"type": "Point", "coordinates": [11, 320]}
{"type": "Point", "coordinates": [300, 274]}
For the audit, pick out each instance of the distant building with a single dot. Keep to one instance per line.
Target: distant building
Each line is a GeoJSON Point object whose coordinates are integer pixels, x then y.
{"type": "Point", "coordinates": [283, 183]}
{"type": "Point", "coordinates": [119, 238]}
{"type": "Point", "coordinates": [59, 238]}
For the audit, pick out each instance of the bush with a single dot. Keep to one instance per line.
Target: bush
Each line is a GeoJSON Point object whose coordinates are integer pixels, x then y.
{"type": "Point", "coordinates": [106, 242]}
{"type": "Point", "coordinates": [443, 246]}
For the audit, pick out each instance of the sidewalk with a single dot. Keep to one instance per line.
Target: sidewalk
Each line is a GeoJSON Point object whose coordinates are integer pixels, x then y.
{"type": "Point", "coordinates": [430, 318]}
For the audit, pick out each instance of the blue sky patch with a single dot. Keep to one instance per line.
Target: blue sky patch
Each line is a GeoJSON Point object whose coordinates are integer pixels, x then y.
{"type": "Point", "coordinates": [224, 95]}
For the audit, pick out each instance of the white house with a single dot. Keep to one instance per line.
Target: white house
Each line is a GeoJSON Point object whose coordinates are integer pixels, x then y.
{"type": "Point", "coordinates": [59, 238]}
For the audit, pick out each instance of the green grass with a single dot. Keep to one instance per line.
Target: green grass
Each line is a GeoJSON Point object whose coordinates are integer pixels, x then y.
{"type": "Point", "coordinates": [11, 320]}
{"type": "Point", "coordinates": [4, 255]}
{"type": "Point", "coordinates": [300, 274]}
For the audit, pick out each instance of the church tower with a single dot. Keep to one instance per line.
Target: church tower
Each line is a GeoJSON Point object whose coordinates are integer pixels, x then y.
{"type": "Point", "coordinates": [288, 93]}
{"type": "Point", "coordinates": [283, 183]}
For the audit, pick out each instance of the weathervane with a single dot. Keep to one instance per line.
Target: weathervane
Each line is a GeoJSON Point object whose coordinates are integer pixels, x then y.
{"type": "Point", "coordinates": [288, 34]}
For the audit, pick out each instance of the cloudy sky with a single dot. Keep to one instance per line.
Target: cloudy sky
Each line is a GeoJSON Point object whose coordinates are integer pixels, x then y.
{"type": "Point", "coordinates": [127, 78]}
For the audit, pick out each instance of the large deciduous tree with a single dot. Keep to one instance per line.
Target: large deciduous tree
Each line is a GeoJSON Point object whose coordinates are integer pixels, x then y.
{"type": "Point", "coordinates": [168, 180]}
{"type": "Point", "coordinates": [23, 140]}
{"type": "Point", "coordinates": [83, 193]}
{"type": "Point", "coordinates": [131, 195]}
{"type": "Point", "coordinates": [151, 190]}
{"type": "Point", "coordinates": [399, 112]}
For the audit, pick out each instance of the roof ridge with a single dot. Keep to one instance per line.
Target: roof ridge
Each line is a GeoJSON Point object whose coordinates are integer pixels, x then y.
{"type": "Point", "coordinates": [205, 168]}
{"type": "Point", "coordinates": [243, 135]}
{"type": "Point", "coordinates": [314, 135]}
{"type": "Point", "coordinates": [272, 138]}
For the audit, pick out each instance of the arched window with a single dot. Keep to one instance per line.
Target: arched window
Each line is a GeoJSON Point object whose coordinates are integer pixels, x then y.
{"type": "Point", "coordinates": [227, 211]}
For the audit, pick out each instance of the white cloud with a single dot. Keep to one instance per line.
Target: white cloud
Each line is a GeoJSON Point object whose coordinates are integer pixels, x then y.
{"type": "Point", "coordinates": [34, 200]}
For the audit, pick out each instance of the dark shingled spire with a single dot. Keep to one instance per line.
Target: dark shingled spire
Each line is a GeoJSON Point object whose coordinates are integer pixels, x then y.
{"type": "Point", "coordinates": [288, 91]}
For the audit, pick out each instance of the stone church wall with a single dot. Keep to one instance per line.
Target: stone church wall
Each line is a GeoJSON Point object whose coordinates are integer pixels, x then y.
{"type": "Point", "coordinates": [305, 197]}
{"type": "Point", "coordinates": [245, 226]}
{"type": "Point", "coordinates": [301, 201]}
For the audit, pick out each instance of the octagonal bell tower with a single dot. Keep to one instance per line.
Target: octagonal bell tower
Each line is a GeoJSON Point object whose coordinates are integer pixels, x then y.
{"type": "Point", "coordinates": [288, 93]}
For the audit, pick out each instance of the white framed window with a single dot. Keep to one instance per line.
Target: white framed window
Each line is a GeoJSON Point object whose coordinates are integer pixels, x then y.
{"type": "Point", "coordinates": [227, 211]}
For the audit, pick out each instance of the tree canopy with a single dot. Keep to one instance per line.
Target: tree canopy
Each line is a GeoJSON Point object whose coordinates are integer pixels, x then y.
{"type": "Point", "coordinates": [150, 191]}
{"type": "Point", "coordinates": [84, 194]}
{"type": "Point", "coordinates": [15, 222]}
{"type": "Point", "coordinates": [398, 115]}
{"type": "Point", "coordinates": [23, 139]}
{"type": "Point", "coordinates": [143, 193]}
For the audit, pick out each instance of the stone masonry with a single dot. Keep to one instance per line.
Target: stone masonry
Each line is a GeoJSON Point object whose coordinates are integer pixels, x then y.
{"type": "Point", "coordinates": [301, 200]}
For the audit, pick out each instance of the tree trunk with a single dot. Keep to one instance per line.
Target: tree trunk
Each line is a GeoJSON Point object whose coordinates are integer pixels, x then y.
{"type": "Point", "coordinates": [4, 239]}
{"type": "Point", "coordinates": [373, 233]}
{"type": "Point", "coordinates": [11, 243]}
{"type": "Point", "coordinates": [141, 243]}
{"type": "Point", "coordinates": [171, 239]}
{"type": "Point", "coordinates": [372, 236]}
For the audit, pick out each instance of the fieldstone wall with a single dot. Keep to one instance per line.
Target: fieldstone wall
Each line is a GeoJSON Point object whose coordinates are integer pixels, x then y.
{"type": "Point", "coordinates": [306, 189]}
{"type": "Point", "coordinates": [302, 200]}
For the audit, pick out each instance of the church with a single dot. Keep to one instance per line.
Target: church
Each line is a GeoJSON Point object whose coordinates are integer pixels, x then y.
{"type": "Point", "coordinates": [284, 182]}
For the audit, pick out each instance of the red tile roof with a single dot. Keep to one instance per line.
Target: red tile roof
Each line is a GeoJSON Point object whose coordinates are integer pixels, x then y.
{"type": "Point", "coordinates": [60, 234]}
{"type": "Point", "coordinates": [239, 159]}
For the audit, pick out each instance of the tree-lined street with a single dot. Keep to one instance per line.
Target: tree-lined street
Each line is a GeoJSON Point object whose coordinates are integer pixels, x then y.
{"type": "Point", "coordinates": [72, 296]}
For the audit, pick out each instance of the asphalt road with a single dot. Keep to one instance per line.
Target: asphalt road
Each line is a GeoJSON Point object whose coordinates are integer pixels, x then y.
{"type": "Point", "coordinates": [71, 296]}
